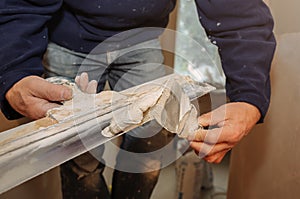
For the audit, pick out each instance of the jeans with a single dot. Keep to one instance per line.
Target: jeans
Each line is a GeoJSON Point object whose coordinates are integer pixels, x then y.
{"type": "Point", "coordinates": [122, 69]}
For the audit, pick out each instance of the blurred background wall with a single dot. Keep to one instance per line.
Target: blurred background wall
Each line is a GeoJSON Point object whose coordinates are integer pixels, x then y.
{"type": "Point", "coordinates": [266, 164]}
{"type": "Point", "coordinates": [286, 15]}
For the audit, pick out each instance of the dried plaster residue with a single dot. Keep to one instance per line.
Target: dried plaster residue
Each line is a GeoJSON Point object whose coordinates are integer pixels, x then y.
{"type": "Point", "coordinates": [164, 102]}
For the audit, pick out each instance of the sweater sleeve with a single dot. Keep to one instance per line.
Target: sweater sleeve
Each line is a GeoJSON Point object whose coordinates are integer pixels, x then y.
{"type": "Point", "coordinates": [243, 32]}
{"type": "Point", "coordinates": [23, 41]}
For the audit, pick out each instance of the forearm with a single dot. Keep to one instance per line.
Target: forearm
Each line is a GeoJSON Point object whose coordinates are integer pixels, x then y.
{"type": "Point", "coordinates": [243, 32]}
{"type": "Point", "coordinates": [23, 41]}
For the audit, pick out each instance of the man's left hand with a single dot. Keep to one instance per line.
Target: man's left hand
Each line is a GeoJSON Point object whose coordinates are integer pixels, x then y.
{"type": "Point", "coordinates": [228, 125]}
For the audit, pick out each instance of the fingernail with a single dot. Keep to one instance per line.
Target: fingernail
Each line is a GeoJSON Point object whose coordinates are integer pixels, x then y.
{"type": "Point", "coordinates": [77, 79]}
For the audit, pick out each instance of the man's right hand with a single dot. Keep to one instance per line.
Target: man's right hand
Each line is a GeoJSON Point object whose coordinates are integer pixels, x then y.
{"type": "Point", "coordinates": [33, 96]}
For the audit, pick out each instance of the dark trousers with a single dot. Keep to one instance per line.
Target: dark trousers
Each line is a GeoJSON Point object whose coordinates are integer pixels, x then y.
{"type": "Point", "coordinates": [134, 176]}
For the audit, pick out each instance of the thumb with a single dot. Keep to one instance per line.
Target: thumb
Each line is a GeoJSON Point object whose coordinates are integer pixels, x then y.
{"type": "Point", "coordinates": [205, 119]}
{"type": "Point", "coordinates": [214, 117]}
{"type": "Point", "coordinates": [52, 92]}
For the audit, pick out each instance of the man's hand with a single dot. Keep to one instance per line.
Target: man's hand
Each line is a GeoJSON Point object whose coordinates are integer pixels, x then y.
{"type": "Point", "coordinates": [85, 85]}
{"type": "Point", "coordinates": [33, 96]}
{"type": "Point", "coordinates": [228, 125]}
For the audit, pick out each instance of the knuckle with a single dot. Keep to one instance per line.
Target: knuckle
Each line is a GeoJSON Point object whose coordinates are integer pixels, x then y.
{"type": "Point", "coordinates": [236, 134]}
{"type": "Point", "coordinates": [199, 136]}
{"type": "Point", "coordinates": [209, 159]}
{"type": "Point", "coordinates": [205, 149]}
{"type": "Point", "coordinates": [213, 137]}
{"type": "Point", "coordinates": [234, 137]}
{"type": "Point", "coordinates": [29, 81]}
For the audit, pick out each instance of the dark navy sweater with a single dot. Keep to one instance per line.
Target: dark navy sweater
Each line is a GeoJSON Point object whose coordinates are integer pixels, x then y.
{"type": "Point", "coordinates": [245, 38]}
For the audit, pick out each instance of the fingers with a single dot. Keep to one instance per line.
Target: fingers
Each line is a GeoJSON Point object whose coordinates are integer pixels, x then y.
{"type": "Point", "coordinates": [92, 87]}
{"type": "Point", "coordinates": [32, 96]}
{"type": "Point", "coordinates": [77, 80]}
{"type": "Point", "coordinates": [39, 108]}
{"type": "Point", "coordinates": [233, 121]}
{"type": "Point", "coordinates": [82, 81]}
{"type": "Point", "coordinates": [211, 153]}
{"type": "Point", "coordinates": [204, 149]}
{"type": "Point", "coordinates": [211, 136]}
{"type": "Point", "coordinates": [205, 119]}
{"type": "Point", "coordinates": [52, 92]}
{"type": "Point", "coordinates": [85, 86]}
{"type": "Point", "coordinates": [216, 117]}
{"type": "Point", "coordinates": [232, 127]}
{"type": "Point", "coordinates": [216, 158]}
